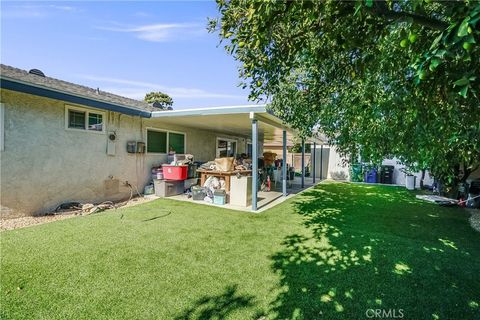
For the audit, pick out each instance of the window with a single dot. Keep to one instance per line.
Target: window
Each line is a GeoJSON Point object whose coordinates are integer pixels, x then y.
{"type": "Point", "coordinates": [226, 148]}
{"type": "Point", "coordinates": [83, 119]}
{"type": "Point", "coordinates": [176, 142]}
{"type": "Point", "coordinates": [95, 122]}
{"type": "Point", "coordinates": [76, 119]}
{"type": "Point", "coordinates": [157, 141]}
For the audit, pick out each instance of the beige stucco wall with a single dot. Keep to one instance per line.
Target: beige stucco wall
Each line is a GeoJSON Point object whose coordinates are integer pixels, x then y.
{"type": "Point", "coordinates": [43, 164]}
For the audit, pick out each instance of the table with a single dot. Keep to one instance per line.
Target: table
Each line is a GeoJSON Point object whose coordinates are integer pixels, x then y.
{"type": "Point", "coordinates": [204, 174]}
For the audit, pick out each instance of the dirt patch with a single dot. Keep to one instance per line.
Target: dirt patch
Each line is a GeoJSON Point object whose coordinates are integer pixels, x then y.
{"type": "Point", "coordinates": [22, 222]}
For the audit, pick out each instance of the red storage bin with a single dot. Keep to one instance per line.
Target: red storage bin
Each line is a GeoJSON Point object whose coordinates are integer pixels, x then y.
{"type": "Point", "coordinates": [175, 172]}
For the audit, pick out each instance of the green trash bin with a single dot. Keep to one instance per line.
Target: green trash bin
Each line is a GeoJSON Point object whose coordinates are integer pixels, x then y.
{"type": "Point", "coordinates": [356, 172]}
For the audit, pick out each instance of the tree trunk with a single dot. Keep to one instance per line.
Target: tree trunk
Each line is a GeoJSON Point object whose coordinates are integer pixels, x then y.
{"type": "Point", "coordinates": [422, 178]}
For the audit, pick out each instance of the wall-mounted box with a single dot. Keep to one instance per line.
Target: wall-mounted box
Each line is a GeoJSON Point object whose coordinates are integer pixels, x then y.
{"type": "Point", "coordinates": [135, 147]}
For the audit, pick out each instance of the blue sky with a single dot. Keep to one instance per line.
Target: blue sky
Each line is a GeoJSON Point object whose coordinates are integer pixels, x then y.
{"type": "Point", "coordinates": [128, 48]}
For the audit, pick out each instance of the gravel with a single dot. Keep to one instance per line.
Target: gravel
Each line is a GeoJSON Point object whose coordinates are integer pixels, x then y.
{"type": "Point", "coordinates": [22, 222]}
{"type": "Point", "coordinates": [15, 223]}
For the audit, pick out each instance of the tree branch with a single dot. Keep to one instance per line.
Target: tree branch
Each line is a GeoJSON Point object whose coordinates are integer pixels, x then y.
{"type": "Point", "coordinates": [380, 9]}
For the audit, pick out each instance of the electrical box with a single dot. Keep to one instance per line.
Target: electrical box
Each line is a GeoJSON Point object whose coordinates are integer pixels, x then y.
{"type": "Point", "coordinates": [135, 147]}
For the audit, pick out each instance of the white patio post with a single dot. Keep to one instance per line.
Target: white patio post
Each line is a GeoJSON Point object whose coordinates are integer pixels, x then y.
{"type": "Point", "coordinates": [284, 164]}
{"type": "Point", "coordinates": [314, 163]}
{"type": "Point", "coordinates": [321, 161]}
{"type": "Point", "coordinates": [303, 163]}
{"type": "Point", "coordinates": [254, 163]}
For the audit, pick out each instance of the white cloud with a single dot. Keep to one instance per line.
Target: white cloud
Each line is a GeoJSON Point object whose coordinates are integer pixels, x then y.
{"type": "Point", "coordinates": [161, 32]}
{"type": "Point", "coordinates": [35, 10]}
{"type": "Point", "coordinates": [138, 89]}
{"type": "Point", "coordinates": [63, 8]}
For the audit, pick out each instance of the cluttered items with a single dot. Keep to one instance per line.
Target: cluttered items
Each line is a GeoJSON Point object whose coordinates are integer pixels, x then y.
{"type": "Point", "coordinates": [219, 181]}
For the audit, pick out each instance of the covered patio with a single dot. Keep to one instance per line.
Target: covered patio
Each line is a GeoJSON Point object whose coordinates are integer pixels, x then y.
{"type": "Point", "coordinates": [258, 126]}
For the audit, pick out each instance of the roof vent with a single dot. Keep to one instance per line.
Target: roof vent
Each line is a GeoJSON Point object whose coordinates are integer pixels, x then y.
{"type": "Point", "coordinates": [37, 72]}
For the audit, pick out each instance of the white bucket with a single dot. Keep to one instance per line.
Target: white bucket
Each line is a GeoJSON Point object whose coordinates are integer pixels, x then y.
{"type": "Point", "coordinates": [410, 182]}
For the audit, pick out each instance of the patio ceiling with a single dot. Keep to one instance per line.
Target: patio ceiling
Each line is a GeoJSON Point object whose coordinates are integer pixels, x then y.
{"type": "Point", "coordinates": [235, 120]}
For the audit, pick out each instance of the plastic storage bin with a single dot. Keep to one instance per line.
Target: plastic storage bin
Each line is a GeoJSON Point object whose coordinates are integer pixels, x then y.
{"type": "Point", "coordinates": [157, 173]}
{"type": "Point", "coordinates": [219, 197]}
{"type": "Point", "coordinates": [168, 188]}
{"type": "Point", "coordinates": [175, 172]}
{"type": "Point", "coordinates": [198, 193]}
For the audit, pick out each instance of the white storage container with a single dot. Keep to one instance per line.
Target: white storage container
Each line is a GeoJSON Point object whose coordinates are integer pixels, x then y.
{"type": "Point", "coordinates": [241, 191]}
{"type": "Point", "coordinates": [410, 182]}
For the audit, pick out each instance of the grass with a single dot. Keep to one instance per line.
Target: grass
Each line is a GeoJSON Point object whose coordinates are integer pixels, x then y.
{"type": "Point", "coordinates": [332, 252]}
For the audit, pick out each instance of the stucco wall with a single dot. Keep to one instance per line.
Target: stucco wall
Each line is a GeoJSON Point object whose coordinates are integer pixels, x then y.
{"type": "Point", "coordinates": [43, 164]}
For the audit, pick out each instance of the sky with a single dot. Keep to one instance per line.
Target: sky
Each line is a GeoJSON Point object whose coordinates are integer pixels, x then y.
{"type": "Point", "coordinates": [127, 48]}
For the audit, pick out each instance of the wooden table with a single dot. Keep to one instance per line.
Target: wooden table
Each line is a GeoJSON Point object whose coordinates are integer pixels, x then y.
{"type": "Point", "coordinates": [204, 174]}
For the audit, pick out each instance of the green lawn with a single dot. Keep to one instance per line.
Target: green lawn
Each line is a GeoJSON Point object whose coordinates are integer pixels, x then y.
{"type": "Point", "coordinates": [332, 252]}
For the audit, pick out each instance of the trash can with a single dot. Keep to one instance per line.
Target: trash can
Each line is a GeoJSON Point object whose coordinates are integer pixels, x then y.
{"type": "Point", "coordinates": [386, 174]}
{"type": "Point", "coordinates": [371, 175]}
{"type": "Point", "coordinates": [356, 172]}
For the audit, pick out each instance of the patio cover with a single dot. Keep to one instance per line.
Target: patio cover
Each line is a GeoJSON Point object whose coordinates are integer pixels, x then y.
{"type": "Point", "coordinates": [235, 120]}
{"type": "Point", "coordinates": [254, 122]}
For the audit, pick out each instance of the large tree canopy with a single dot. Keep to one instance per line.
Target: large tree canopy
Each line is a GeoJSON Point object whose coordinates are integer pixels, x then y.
{"type": "Point", "coordinates": [379, 78]}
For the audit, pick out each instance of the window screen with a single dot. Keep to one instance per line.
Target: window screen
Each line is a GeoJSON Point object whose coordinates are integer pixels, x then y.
{"type": "Point", "coordinates": [76, 119]}
{"type": "Point", "coordinates": [95, 122]}
{"type": "Point", "coordinates": [176, 142]}
{"type": "Point", "coordinates": [156, 141]}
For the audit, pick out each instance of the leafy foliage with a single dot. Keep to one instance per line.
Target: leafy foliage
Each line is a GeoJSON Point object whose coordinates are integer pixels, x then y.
{"type": "Point", "coordinates": [159, 99]}
{"type": "Point", "coordinates": [379, 78]}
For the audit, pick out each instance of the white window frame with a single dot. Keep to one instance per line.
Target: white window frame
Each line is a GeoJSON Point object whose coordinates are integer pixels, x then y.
{"type": "Point", "coordinates": [217, 153]}
{"type": "Point", "coordinates": [168, 139]}
{"type": "Point", "coordinates": [87, 112]}
{"type": "Point", "coordinates": [2, 127]}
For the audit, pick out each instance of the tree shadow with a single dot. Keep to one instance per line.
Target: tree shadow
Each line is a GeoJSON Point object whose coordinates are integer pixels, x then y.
{"type": "Point", "coordinates": [367, 248]}
{"type": "Point", "coordinates": [218, 306]}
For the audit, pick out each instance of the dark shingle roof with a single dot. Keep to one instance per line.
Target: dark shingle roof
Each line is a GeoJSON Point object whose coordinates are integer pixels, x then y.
{"type": "Point", "coordinates": [19, 75]}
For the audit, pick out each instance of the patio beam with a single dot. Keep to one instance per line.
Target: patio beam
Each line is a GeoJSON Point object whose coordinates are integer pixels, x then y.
{"type": "Point", "coordinates": [303, 163]}
{"type": "Point", "coordinates": [254, 163]}
{"type": "Point", "coordinates": [284, 164]}
{"type": "Point", "coordinates": [314, 164]}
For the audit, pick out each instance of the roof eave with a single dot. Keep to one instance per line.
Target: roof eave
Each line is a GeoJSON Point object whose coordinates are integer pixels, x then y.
{"type": "Point", "coordinates": [10, 84]}
{"type": "Point", "coordinates": [210, 111]}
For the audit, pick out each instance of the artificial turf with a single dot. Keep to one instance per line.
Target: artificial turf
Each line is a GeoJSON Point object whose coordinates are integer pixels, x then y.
{"type": "Point", "coordinates": [338, 251]}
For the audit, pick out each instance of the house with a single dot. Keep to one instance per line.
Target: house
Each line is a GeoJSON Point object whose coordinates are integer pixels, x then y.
{"type": "Point", "coordinates": [66, 142]}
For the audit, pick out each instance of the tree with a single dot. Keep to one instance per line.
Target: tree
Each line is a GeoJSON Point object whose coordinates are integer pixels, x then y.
{"type": "Point", "coordinates": [379, 78]}
{"type": "Point", "coordinates": [159, 100]}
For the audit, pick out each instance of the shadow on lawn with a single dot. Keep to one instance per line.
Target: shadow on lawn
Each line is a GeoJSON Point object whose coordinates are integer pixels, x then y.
{"type": "Point", "coordinates": [219, 306]}
{"type": "Point", "coordinates": [370, 248]}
